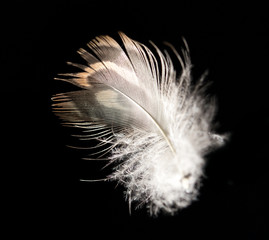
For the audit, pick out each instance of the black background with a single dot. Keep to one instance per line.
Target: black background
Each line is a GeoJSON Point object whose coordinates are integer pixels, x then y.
{"type": "Point", "coordinates": [42, 192]}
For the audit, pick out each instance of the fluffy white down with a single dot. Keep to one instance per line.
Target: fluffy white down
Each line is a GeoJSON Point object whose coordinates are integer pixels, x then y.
{"type": "Point", "coordinates": [153, 176]}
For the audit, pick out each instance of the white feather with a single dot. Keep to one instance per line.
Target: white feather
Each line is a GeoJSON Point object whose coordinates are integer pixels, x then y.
{"type": "Point", "coordinates": [157, 124]}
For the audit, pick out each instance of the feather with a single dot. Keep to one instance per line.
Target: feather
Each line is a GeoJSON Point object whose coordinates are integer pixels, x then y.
{"type": "Point", "coordinates": [156, 124]}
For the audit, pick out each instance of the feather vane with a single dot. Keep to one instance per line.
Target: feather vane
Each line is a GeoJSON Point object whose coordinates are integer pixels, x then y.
{"type": "Point", "coordinates": [158, 125]}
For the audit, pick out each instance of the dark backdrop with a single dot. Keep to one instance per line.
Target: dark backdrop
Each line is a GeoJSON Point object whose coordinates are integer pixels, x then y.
{"type": "Point", "coordinates": [42, 192]}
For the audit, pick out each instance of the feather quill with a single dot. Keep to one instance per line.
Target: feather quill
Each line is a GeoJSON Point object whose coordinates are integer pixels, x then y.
{"type": "Point", "coordinates": [157, 124]}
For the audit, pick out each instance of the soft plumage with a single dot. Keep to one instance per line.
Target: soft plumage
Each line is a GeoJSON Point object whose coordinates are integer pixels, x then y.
{"type": "Point", "coordinates": [156, 124]}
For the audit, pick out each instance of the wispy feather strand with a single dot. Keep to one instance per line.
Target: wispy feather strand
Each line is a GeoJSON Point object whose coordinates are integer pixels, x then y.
{"type": "Point", "coordinates": [157, 126]}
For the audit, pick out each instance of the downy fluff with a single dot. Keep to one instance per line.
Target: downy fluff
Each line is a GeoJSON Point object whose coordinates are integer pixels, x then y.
{"type": "Point", "coordinates": [153, 124]}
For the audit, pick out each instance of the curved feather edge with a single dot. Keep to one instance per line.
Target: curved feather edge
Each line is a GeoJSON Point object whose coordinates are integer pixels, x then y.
{"type": "Point", "coordinates": [157, 123]}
